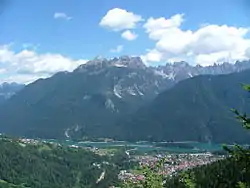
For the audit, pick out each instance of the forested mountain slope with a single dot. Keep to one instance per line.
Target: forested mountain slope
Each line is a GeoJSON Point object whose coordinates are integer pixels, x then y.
{"type": "Point", "coordinates": [196, 109]}
{"type": "Point", "coordinates": [44, 165]}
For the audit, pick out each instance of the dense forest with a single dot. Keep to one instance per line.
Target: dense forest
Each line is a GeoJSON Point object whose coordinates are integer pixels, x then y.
{"type": "Point", "coordinates": [220, 174]}
{"type": "Point", "coordinates": [50, 166]}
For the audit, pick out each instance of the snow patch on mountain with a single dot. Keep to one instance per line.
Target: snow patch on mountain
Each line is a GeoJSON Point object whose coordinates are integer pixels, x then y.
{"type": "Point", "coordinates": [119, 65]}
{"type": "Point", "coordinates": [117, 91]}
{"type": "Point", "coordinates": [109, 104]}
{"type": "Point", "coordinates": [138, 90]}
{"type": "Point", "coordinates": [160, 73]}
{"type": "Point", "coordinates": [66, 133]}
{"type": "Point", "coordinates": [190, 75]}
{"type": "Point", "coordinates": [171, 76]}
{"type": "Point", "coordinates": [86, 97]}
{"type": "Point", "coordinates": [131, 91]}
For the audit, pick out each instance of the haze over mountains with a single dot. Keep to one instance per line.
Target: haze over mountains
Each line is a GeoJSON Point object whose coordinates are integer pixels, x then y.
{"type": "Point", "coordinates": [9, 89]}
{"type": "Point", "coordinates": [101, 99]}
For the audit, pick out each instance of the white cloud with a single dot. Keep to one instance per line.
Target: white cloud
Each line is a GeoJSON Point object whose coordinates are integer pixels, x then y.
{"type": "Point", "coordinates": [152, 56]}
{"type": "Point", "coordinates": [247, 53]}
{"type": "Point", "coordinates": [119, 19]}
{"type": "Point", "coordinates": [129, 35]}
{"type": "Point", "coordinates": [24, 79]}
{"type": "Point", "coordinates": [118, 49]}
{"type": "Point", "coordinates": [2, 70]}
{"type": "Point", "coordinates": [62, 15]}
{"type": "Point", "coordinates": [206, 45]}
{"type": "Point", "coordinates": [157, 27]}
{"type": "Point", "coordinates": [27, 65]}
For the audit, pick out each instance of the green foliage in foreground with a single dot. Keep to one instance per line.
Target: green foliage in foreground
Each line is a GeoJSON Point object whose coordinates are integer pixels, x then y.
{"type": "Point", "coordinates": [50, 166]}
{"type": "Point", "coordinates": [232, 172]}
{"type": "Point", "coordinates": [4, 184]}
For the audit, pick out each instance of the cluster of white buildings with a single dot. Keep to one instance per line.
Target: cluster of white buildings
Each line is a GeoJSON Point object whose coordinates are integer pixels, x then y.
{"type": "Point", "coordinates": [173, 163]}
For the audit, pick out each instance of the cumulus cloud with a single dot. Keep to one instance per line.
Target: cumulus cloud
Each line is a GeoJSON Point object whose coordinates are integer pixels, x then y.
{"type": "Point", "coordinates": [2, 70]}
{"type": "Point", "coordinates": [152, 56]}
{"type": "Point", "coordinates": [22, 79]}
{"type": "Point", "coordinates": [62, 15]}
{"type": "Point", "coordinates": [118, 49]}
{"type": "Point", "coordinates": [159, 26]}
{"type": "Point", "coordinates": [247, 53]}
{"type": "Point", "coordinates": [27, 65]}
{"type": "Point", "coordinates": [206, 45]}
{"type": "Point", "coordinates": [119, 19]}
{"type": "Point", "coordinates": [129, 35]}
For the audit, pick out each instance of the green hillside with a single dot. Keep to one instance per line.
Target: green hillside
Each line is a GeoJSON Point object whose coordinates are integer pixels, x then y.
{"type": "Point", "coordinates": [43, 165]}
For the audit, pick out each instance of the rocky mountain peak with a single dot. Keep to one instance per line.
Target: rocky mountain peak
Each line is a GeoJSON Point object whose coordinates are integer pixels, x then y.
{"type": "Point", "coordinates": [123, 61]}
{"type": "Point", "coordinates": [181, 64]}
{"type": "Point", "coordinates": [129, 61]}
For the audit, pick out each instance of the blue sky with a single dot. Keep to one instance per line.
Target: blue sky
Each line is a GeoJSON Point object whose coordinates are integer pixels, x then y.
{"type": "Point", "coordinates": [31, 25]}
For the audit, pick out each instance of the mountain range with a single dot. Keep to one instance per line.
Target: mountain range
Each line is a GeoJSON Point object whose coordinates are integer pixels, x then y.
{"type": "Point", "coordinates": [9, 89]}
{"type": "Point", "coordinates": [182, 70]}
{"type": "Point", "coordinates": [196, 109]}
{"type": "Point", "coordinates": [125, 99]}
